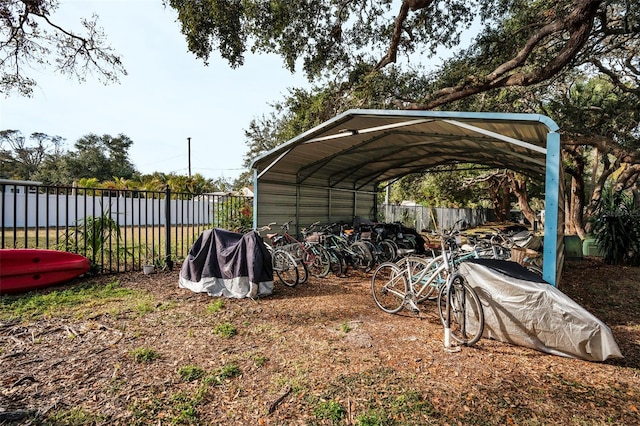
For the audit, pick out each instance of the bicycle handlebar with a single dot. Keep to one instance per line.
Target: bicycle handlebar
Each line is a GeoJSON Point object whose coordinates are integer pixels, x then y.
{"type": "Point", "coordinates": [265, 227]}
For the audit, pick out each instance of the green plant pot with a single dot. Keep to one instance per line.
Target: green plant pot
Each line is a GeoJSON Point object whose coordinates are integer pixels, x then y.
{"type": "Point", "coordinates": [572, 247]}
{"type": "Point", "coordinates": [590, 247]}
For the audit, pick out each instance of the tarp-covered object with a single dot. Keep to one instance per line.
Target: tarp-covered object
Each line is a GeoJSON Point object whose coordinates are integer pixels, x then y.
{"type": "Point", "coordinates": [521, 309]}
{"type": "Point", "coordinates": [224, 263]}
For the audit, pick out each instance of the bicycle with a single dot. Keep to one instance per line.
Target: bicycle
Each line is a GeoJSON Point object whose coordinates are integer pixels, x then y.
{"type": "Point", "coordinates": [381, 249]}
{"type": "Point", "coordinates": [337, 263]}
{"type": "Point", "coordinates": [312, 255]}
{"type": "Point", "coordinates": [396, 286]}
{"type": "Point", "coordinates": [284, 265]}
{"type": "Point", "coordinates": [355, 254]}
{"type": "Point", "coordinates": [427, 275]}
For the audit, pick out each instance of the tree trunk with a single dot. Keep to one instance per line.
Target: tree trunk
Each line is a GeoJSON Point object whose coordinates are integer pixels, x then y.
{"type": "Point", "coordinates": [496, 200]}
{"type": "Point", "coordinates": [505, 199]}
{"type": "Point", "coordinates": [568, 224]}
{"type": "Point", "coordinates": [596, 193]}
{"type": "Point", "coordinates": [519, 189]}
{"type": "Point", "coordinates": [577, 205]}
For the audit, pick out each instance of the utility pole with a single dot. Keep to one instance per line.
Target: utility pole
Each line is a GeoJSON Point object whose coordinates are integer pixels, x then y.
{"type": "Point", "coordinates": [189, 154]}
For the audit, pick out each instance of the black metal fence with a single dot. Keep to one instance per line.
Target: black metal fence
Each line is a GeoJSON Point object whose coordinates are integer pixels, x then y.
{"type": "Point", "coordinates": [119, 230]}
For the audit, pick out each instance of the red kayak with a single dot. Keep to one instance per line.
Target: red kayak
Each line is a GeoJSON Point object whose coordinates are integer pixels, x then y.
{"type": "Point", "coordinates": [22, 270]}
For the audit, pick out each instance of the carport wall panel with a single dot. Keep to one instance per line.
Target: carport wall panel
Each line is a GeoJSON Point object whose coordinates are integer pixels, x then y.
{"type": "Point", "coordinates": [304, 205]}
{"type": "Point", "coordinates": [274, 203]}
{"type": "Point", "coordinates": [313, 206]}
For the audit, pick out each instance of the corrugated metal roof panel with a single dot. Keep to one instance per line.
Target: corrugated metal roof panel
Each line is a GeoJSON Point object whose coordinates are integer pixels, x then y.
{"type": "Point", "coordinates": [360, 147]}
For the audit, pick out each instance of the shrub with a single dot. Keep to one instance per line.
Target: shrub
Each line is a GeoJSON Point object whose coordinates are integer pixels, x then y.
{"type": "Point", "coordinates": [617, 228]}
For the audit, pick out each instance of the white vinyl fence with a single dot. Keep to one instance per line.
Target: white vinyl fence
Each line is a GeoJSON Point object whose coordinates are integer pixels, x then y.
{"type": "Point", "coordinates": [51, 210]}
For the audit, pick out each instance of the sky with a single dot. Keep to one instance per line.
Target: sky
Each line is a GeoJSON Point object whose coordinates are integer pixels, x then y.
{"type": "Point", "coordinates": [168, 95]}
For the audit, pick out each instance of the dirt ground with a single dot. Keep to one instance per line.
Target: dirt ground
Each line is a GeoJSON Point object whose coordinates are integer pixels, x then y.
{"type": "Point", "coordinates": [318, 353]}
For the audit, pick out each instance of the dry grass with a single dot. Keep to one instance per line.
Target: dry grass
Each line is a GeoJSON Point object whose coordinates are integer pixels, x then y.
{"type": "Point", "coordinates": [319, 353]}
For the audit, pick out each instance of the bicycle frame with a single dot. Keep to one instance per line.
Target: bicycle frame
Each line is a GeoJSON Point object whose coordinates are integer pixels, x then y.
{"type": "Point", "coordinates": [432, 278]}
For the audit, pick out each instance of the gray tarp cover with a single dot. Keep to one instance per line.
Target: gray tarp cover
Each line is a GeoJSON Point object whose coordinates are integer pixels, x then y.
{"type": "Point", "coordinates": [229, 264]}
{"type": "Point", "coordinates": [524, 311]}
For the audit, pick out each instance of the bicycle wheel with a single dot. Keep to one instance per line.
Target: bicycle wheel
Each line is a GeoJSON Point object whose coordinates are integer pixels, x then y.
{"type": "Point", "coordinates": [297, 252]}
{"type": "Point", "coordinates": [395, 248]}
{"type": "Point", "coordinates": [317, 259]}
{"type": "Point", "coordinates": [362, 259]}
{"type": "Point", "coordinates": [345, 260]}
{"type": "Point", "coordinates": [373, 250]}
{"type": "Point", "coordinates": [388, 285]}
{"type": "Point", "coordinates": [303, 271]}
{"type": "Point", "coordinates": [285, 267]}
{"type": "Point", "coordinates": [336, 262]}
{"type": "Point", "coordinates": [466, 314]}
{"type": "Point", "coordinates": [386, 251]}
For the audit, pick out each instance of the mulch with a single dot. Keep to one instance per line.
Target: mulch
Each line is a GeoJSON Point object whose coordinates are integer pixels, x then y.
{"type": "Point", "coordinates": [300, 347]}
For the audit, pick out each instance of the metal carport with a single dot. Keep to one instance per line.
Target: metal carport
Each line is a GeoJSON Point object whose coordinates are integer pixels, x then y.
{"type": "Point", "coordinates": [333, 171]}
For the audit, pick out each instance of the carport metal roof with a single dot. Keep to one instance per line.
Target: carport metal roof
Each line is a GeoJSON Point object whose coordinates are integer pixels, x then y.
{"type": "Point", "coordinates": [360, 148]}
{"type": "Point", "coordinates": [365, 146]}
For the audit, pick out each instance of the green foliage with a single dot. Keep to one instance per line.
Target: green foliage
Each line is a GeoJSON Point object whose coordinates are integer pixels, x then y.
{"type": "Point", "coordinates": [190, 373]}
{"type": "Point", "coordinates": [298, 112]}
{"type": "Point", "coordinates": [225, 330]}
{"type": "Point", "coordinates": [410, 402]}
{"type": "Point", "coordinates": [229, 371]}
{"type": "Point", "coordinates": [260, 360]}
{"type": "Point", "coordinates": [226, 372]}
{"type": "Point", "coordinates": [318, 35]}
{"type": "Point", "coordinates": [350, 43]}
{"type": "Point", "coordinates": [60, 303]}
{"type": "Point", "coordinates": [94, 232]}
{"type": "Point", "coordinates": [373, 418]}
{"type": "Point", "coordinates": [101, 157]}
{"type": "Point", "coordinates": [215, 307]}
{"type": "Point", "coordinates": [595, 106]}
{"type": "Point", "coordinates": [144, 355]}
{"type": "Point", "coordinates": [175, 409]}
{"type": "Point", "coordinates": [98, 236]}
{"type": "Point", "coordinates": [617, 228]}
{"type": "Point", "coordinates": [186, 407]}
{"type": "Point", "coordinates": [444, 186]}
{"type": "Point", "coordinates": [75, 417]}
{"type": "Point", "coordinates": [22, 160]}
{"type": "Point", "coordinates": [330, 410]}
{"type": "Point", "coordinates": [145, 307]}
{"type": "Point", "coordinates": [234, 214]}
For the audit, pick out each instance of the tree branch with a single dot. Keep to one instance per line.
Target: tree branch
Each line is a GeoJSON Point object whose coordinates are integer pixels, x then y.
{"type": "Point", "coordinates": [392, 52]}
{"type": "Point", "coordinates": [578, 24]}
{"type": "Point", "coordinates": [615, 79]}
